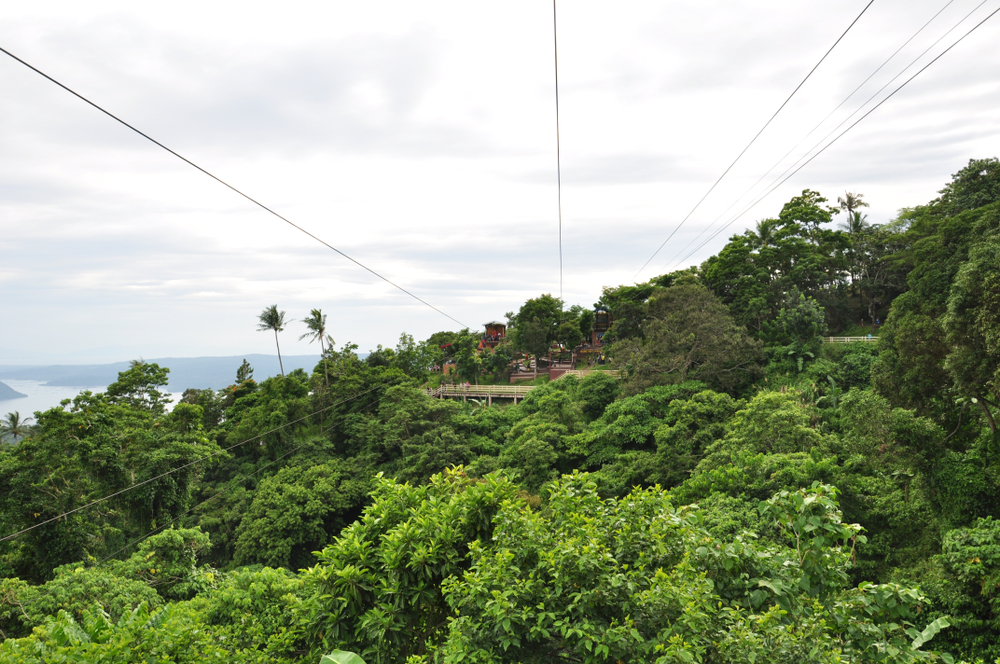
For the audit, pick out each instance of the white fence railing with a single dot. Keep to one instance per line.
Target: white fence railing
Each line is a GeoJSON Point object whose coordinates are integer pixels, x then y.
{"type": "Point", "coordinates": [503, 391]}
{"type": "Point", "coordinates": [847, 340]}
{"type": "Point", "coordinates": [482, 390]}
{"type": "Point", "coordinates": [580, 373]}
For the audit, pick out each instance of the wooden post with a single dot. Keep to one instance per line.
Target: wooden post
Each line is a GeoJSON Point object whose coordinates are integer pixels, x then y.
{"type": "Point", "coordinates": [489, 398]}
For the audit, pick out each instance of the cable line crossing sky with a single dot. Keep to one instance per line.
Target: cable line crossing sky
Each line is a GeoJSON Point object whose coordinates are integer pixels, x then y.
{"type": "Point", "coordinates": [782, 180]}
{"type": "Point", "coordinates": [755, 137]}
{"type": "Point", "coordinates": [424, 146]}
{"type": "Point", "coordinates": [224, 183]}
{"type": "Point", "coordinates": [811, 132]}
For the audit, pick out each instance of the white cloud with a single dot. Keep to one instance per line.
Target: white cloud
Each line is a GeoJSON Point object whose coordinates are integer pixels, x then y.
{"type": "Point", "coordinates": [419, 138]}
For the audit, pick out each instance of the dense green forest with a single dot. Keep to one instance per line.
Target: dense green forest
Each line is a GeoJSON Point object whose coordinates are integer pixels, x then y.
{"type": "Point", "coordinates": [738, 491]}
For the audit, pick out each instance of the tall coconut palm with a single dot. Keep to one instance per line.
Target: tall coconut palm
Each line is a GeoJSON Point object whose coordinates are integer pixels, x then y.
{"type": "Point", "coordinates": [851, 204]}
{"type": "Point", "coordinates": [855, 225]}
{"type": "Point", "coordinates": [316, 322]}
{"type": "Point", "coordinates": [13, 425]}
{"type": "Point", "coordinates": [765, 232]}
{"type": "Point", "coordinates": [272, 319]}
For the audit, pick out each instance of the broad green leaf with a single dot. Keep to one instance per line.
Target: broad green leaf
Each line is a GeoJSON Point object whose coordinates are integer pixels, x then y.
{"type": "Point", "coordinates": [930, 631]}
{"type": "Point", "coordinates": [341, 657]}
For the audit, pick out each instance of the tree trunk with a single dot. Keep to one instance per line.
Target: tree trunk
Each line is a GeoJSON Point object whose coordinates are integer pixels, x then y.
{"type": "Point", "coordinates": [322, 358]}
{"type": "Point", "coordinates": [993, 425]}
{"type": "Point", "coordinates": [326, 386]}
{"type": "Point", "coordinates": [989, 418]}
{"type": "Point", "coordinates": [280, 363]}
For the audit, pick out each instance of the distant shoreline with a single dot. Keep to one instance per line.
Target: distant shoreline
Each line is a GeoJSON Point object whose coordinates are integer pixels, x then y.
{"type": "Point", "coordinates": [214, 372]}
{"type": "Point", "coordinates": [40, 397]}
{"type": "Point", "coordinates": [8, 393]}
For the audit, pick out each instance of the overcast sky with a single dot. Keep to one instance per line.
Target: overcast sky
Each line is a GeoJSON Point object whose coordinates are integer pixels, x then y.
{"type": "Point", "coordinates": [419, 138]}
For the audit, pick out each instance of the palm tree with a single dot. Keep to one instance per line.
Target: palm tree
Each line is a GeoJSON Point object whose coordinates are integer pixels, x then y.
{"type": "Point", "coordinates": [272, 319]}
{"type": "Point", "coordinates": [855, 225]}
{"type": "Point", "coordinates": [852, 204]}
{"type": "Point", "coordinates": [316, 322]}
{"type": "Point", "coordinates": [765, 232]}
{"type": "Point", "coordinates": [14, 426]}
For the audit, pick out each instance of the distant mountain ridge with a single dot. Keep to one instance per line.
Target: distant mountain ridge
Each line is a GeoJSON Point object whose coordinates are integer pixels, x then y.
{"type": "Point", "coordinates": [185, 372]}
{"type": "Point", "coordinates": [8, 392]}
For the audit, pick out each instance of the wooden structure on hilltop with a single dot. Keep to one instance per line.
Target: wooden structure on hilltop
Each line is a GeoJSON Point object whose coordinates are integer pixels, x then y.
{"type": "Point", "coordinates": [602, 323]}
{"type": "Point", "coordinates": [592, 350]}
{"type": "Point", "coordinates": [494, 335]}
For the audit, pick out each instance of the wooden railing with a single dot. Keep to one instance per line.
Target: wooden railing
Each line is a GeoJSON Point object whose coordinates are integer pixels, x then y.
{"type": "Point", "coordinates": [482, 391]}
{"type": "Point", "coordinates": [580, 373]}
{"type": "Point", "coordinates": [847, 340]}
{"type": "Point", "coordinates": [514, 392]}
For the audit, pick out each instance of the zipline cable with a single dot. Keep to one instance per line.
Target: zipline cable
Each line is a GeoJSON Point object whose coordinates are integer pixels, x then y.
{"type": "Point", "coordinates": [229, 186]}
{"type": "Point", "coordinates": [179, 468]}
{"type": "Point", "coordinates": [192, 509]}
{"type": "Point", "coordinates": [555, 48]}
{"type": "Point", "coordinates": [757, 135]}
{"type": "Point", "coordinates": [818, 125]}
{"type": "Point", "coordinates": [834, 130]}
{"type": "Point", "coordinates": [775, 184]}
{"type": "Point", "coordinates": [232, 485]}
{"type": "Point", "coordinates": [856, 122]}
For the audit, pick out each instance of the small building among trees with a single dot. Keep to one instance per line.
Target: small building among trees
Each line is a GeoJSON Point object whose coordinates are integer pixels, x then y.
{"type": "Point", "coordinates": [592, 348]}
{"type": "Point", "coordinates": [494, 335]}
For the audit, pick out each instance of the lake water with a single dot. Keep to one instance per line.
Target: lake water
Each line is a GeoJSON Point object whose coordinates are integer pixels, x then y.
{"type": "Point", "coordinates": [41, 397]}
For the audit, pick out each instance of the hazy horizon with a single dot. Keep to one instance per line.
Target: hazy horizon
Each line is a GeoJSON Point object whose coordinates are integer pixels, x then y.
{"type": "Point", "coordinates": [420, 140]}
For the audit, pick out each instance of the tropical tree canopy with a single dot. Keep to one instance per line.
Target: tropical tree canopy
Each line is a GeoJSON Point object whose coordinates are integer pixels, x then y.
{"type": "Point", "coordinates": [741, 489]}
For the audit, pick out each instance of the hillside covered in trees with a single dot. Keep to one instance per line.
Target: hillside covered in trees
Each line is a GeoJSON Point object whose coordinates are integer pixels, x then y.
{"type": "Point", "coordinates": [738, 491]}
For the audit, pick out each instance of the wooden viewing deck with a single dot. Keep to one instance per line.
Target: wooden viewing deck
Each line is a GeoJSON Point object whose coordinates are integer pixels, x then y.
{"type": "Point", "coordinates": [847, 340]}
{"type": "Point", "coordinates": [490, 392]}
{"type": "Point", "coordinates": [581, 373]}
